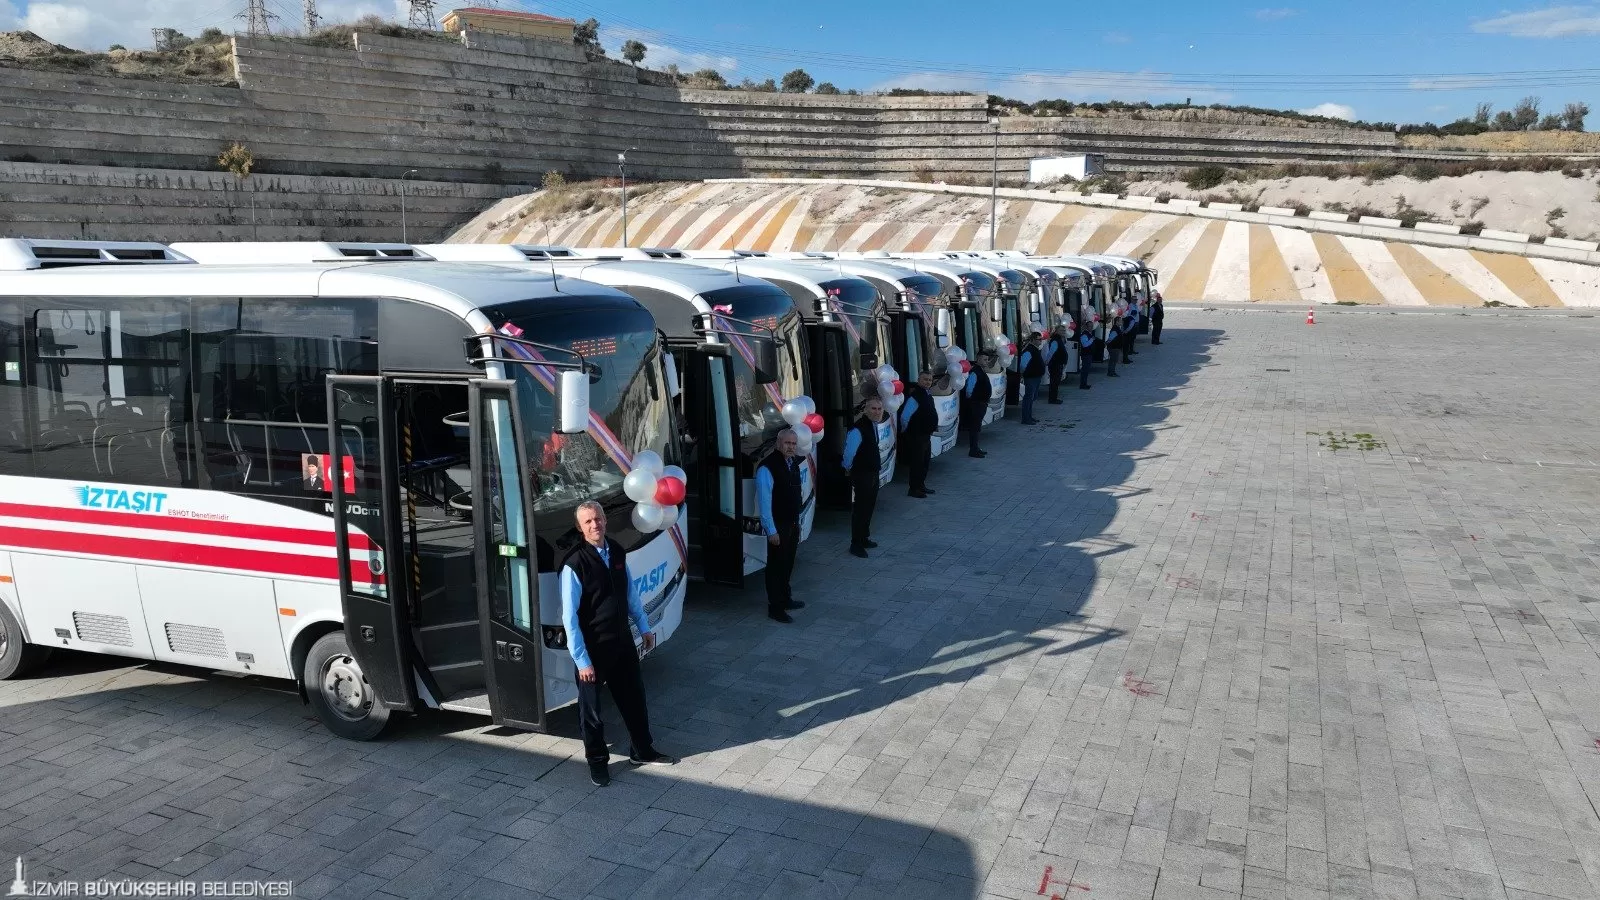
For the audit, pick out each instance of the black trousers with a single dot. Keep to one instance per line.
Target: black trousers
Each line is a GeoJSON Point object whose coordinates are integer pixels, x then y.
{"type": "Point", "coordinates": [972, 439]}
{"type": "Point", "coordinates": [919, 451]}
{"type": "Point", "coordinates": [1127, 347]}
{"type": "Point", "coordinates": [1056, 373]}
{"type": "Point", "coordinates": [1155, 330]}
{"type": "Point", "coordinates": [866, 500]}
{"type": "Point", "coordinates": [780, 567]}
{"type": "Point", "coordinates": [616, 665]}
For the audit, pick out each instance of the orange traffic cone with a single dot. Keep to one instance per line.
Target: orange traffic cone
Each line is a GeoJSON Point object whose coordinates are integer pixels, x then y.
{"type": "Point", "coordinates": [1311, 315]}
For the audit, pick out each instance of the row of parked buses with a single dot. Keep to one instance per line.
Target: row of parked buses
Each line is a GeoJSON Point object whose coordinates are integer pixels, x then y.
{"type": "Point", "coordinates": [356, 465]}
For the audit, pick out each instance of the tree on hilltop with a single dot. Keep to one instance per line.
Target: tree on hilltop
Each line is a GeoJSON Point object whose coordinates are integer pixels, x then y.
{"type": "Point", "coordinates": [797, 82]}
{"type": "Point", "coordinates": [827, 87]}
{"type": "Point", "coordinates": [586, 34]}
{"type": "Point", "coordinates": [633, 51]}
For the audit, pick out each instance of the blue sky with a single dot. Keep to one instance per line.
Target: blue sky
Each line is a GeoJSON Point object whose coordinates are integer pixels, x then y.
{"type": "Point", "coordinates": [1030, 48]}
{"type": "Point", "coordinates": [1323, 54]}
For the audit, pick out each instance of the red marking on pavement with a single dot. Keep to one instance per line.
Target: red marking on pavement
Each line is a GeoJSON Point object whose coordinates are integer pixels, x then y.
{"type": "Point", "coordinates": [1201, 516]}
{"type": "Point", "coordinates": [1473, 536]}
{"type": "Point", "coordinates": [1597, 745]}
{"type": "Point", "coordinates": [1182, 581]}
{"type": "Point", "coordinates": [1138, 686]}
{"type": "Point", "coordinates": [1069, 886]}
{"type": "Point", "coordinates": [1525, 615]}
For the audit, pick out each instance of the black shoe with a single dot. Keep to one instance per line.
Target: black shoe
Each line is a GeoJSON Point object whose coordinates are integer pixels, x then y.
{"type": "Point", "coordinates": [1084, 387]}
{"type": "Point", "coordinates": [1112, 375]}
{"type": "Point", "coordinates": [794, 604]}
{"type": "Point", "coordinates": [599, 773]}
{"type": "Point", "coordinates": [1155, 342]}
{"type": "Point", "coordinates": [928, 490]}
{"type": "Point", "coordinates": [918, 495]}
{"type": "Point", "coordinates": [871, 545]}
{"type": "Point", "coordinates": [656, 758]}
{"type": "Point", "coordinates": [979, 454]}
{"type": "Point", "coordinates": [1030, 421]}
{"type": "Point", "coordinates": [859, 551]}
{"type": "Point", "coordinates": [778, 615]}
{"type": "Point", "coordinates": [1055, 402]}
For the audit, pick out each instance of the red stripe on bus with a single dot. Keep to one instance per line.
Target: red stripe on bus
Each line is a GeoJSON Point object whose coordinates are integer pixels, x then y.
{"type": "Point", "coordinates": [160, 522]}
{"type": "Point", "coordinates": [259, 562]}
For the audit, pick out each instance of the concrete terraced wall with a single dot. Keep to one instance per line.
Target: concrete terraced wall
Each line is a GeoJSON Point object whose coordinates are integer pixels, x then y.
{"type": "Point", "coordinates": [101, 203]}
{"type": "Point", "coordinates": [448, 108]}
{"type": "Point", "coordinates": [1200, 257]}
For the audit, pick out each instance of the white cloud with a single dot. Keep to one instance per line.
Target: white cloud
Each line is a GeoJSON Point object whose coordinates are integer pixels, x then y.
{"type": "Point", "coordinates": [1277, 13]}
{"type": "Point", "coordinates": [1554, 22]}
{"type": "Point", "coordinates": [660, 55]}
{"type": "Point", "coordinates": [96, 24]}
{"type": "Point", "coordinates": [1086, 85]}
{"type": "Point", "coordinates": [1332, 111]}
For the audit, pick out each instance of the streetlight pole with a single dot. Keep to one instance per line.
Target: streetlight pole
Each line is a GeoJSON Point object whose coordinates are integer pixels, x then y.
{"type": "Point", "coordinates": [994, 182]}
{"type": "Point", "coordinates": [622, 167]}
{"type": "Point", "coordinates": [407, 173]}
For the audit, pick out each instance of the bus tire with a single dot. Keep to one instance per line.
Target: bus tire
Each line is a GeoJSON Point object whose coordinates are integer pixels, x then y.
{"type": "Point", "coordinates": [339, 692]}
{"type": "Point", "coordinates": [17, 656]}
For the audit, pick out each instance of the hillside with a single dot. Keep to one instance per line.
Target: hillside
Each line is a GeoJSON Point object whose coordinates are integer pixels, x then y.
{"type": "Point", "coordinates": [1199, 258]}
{"type": "Point", "coordinates": [1508, 201]}
{"type": "Point", "coordinates": [1556, 142]}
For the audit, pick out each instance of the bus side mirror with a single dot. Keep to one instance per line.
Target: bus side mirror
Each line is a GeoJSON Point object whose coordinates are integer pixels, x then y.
{"type": "Point", "coordinates": [574, 401]}
{"type": "Point", "coordinates": [669, 365]}
{"type": "Point", "coordinates": [944, 341]}
{"type": "Point", "coordinates": [765, 350]}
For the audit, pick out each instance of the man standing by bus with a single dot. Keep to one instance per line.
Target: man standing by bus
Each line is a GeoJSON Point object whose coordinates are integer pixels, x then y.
{"type": "Point", "coordinates": [1158, 311]}
{"type": "Point", "coordinates": [778, 498]}
{"type": "Point", "coordinates": [598, 600]}
{"type": "Point", "coordinates": [918, 421]}
{"type": "Point", "coordinates": [863, 461]}
{"type": "Point", "coordinates": [1031, 365]}
{"type": "Point", "coordinates": [975, 396]}
{"type": "Point", "coordinates": [1056, 353]}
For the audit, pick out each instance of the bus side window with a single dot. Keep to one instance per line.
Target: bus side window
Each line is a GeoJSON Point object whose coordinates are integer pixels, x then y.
{"type": "Point", "coordinates": [262, 404]}
{"type": "Point", "coordinates": [14, 445]}
{"type": "Point", "coordinates": [109, 382]}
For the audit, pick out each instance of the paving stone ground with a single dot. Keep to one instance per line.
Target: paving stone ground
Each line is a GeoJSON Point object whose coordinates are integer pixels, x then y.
{"type": "Point", "coordinates": [1167, 644]}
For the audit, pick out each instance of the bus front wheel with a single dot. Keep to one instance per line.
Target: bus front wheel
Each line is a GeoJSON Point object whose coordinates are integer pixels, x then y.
{"type": "Point", "coordinates": [339, 693]}
{"type": "Point", "coordinates": [17, 656]}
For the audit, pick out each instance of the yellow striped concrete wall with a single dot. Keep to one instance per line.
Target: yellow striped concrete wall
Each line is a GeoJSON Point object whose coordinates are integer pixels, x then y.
{"type": "Point", "coordinates": [1199, 259]}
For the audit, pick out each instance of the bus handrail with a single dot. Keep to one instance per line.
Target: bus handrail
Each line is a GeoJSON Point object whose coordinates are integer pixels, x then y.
{"type": "Point", "coordinates": [581, 365]}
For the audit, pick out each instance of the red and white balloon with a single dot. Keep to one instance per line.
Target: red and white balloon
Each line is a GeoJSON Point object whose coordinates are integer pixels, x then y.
{"type": "Point", "coordinates": [656, 490]}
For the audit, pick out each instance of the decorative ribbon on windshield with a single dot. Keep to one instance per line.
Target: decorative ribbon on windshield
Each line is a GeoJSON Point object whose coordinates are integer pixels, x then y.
{"type": "Point", "coordinates": [742, 347]}
{"type": "Point", "coordinates": [598, 429]}
{"type": "Point", "coordinates": [837, 306]}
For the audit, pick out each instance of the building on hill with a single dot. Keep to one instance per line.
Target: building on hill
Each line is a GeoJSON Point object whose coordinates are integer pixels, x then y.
{"type": "Point", "coordinates": [504, 21]}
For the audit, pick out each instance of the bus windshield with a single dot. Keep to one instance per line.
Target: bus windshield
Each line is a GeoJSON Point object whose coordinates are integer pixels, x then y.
{"type": "Point", "coordinates": [854, 303]}
{"type": "Point", "coordinates": [758, 405]}
{"type": "Point", "coordinates": [628, 404]}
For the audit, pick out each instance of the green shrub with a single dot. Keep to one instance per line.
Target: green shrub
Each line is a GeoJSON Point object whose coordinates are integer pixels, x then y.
{"type": "Point", "coordinates": [1203, 178]}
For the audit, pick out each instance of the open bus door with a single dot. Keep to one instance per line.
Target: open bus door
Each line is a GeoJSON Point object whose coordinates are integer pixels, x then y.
{"type": "Point", "coordinates": [716, 532]}
{"type": "Point", "coordinates": [507, 567]}
{"type": "Point", "coordinates": [361, 472]}
{"type": "Point", "coordinates": [833, 389]}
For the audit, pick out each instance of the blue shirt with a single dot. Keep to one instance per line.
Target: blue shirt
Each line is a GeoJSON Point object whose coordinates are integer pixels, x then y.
{"type": "Point", "coordinates": [572, 591]}
{"type": "Point", "coordinates": [852, 443]}
{"type": "Point", "coordinates": [906, 411]}
{"type": "Point", "coordinates": [764, 495]}
{"type": "Point", "coordinates": [972, 383]}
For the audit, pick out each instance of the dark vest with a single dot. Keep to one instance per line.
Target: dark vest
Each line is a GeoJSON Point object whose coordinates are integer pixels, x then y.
{"type": "Point", "coordinates": [924, 419]}
{"type": "Point", "coordinates": [974, 408]}
{"type": "Point", "coordinates": [1035, 368]}
{"type": "Point", "coordinates": [786, 497]}
{"type": "Point", "coordinates": [603, 605]}
{"type": "Point", "coordinates": [1058, 352]}
{"type": "Point", "coordinates": [864, 469]}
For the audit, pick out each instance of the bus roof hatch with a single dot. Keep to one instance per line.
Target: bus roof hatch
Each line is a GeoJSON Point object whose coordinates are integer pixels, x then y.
{"type": "Point", "coordinates": [21, 254]}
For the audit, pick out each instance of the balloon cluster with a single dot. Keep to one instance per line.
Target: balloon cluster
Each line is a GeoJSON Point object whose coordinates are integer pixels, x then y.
{"type": "Point", "coordinates": [656, 490]}
{"type": "Point", "coordinates": [801, 414]}
{"type": "Point", "coordinates": [1006, 348]}
{"type": "Point", "coordinates": [890, 388]}
{"type": "Point", "coordinates": [957, 363]}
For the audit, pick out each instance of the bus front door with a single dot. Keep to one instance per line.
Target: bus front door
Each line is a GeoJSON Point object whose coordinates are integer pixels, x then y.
{"type": "Point", "coordinates": [360, 469]}
{"type": "Point", "coordinates": [716, 532]}
{"type": "Point", "coordinates": [505, 560]}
